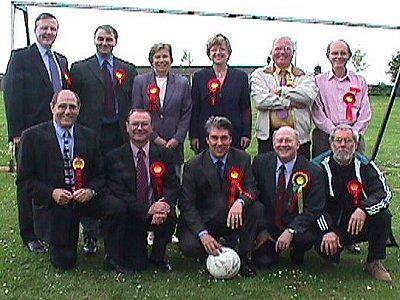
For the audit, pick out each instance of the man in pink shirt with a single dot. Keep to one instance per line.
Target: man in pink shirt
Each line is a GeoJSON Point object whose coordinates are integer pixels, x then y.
{"type": "Point", "coordinates": [342, 98]}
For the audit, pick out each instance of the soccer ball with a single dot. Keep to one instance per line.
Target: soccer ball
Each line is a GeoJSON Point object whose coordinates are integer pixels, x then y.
{"type": "Point", "coordinates": [224, 266]}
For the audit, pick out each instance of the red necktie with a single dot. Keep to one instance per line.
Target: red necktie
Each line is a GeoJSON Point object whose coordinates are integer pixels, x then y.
{"type": "Point", "coordinates": [109, 99]}
{"type": "Point", "coordinates": [280, 199]}
{"type": "Point", "coordinates": [142, 183]}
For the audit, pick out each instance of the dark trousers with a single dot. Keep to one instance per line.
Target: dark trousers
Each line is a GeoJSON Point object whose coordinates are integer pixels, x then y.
{"type": "Point", "coordinates": [134, 242]}
{"type": "Point", "coordinates": [191, 246]}
{"type": "Point", "coordinates": [300, 244]}
{"type": "Point", "coordinates": [265, 146]}
{"type": "Point", "coordinates": [64, 228]}
{"type": "Point", "coordinates": [376, 231]}
{"type": "Point", "coordinates": [110, 138]}
{"type": "Point", "coordinates": [320, 142]}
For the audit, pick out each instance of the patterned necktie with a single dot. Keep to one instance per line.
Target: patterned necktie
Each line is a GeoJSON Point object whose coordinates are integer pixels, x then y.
{"type": "Point", "coordinates": [280, 200]}
{"type": "Point", "coordinates": [142, 183]}
{"type": "Point", "coordinates": [54, 73]}
{"type": "Point", "coordinates": [68, 172]}
{"type": "Point", "coordinates": [283, 76]}
{"type": "Point", "coordinates": [109, 99]}
{"type": "Point", "coordinates": [219, 164]}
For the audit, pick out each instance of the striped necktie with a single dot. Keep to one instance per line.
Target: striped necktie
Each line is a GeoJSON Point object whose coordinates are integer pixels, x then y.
{"type": "Point", "coordinates": [68, 172]}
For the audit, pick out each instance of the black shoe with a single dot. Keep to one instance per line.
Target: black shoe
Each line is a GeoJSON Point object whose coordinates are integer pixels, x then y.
{"type": "Point", "coordinates": [247, 268]}
{"type": "Point", "coordinates": [90, 246]}
{"type": "Point", "coordinates": [162, 265]}
{"type": "Point", "coordinates": [263, 261]}
{"type": "Point", "coordinates": [37, 246]}
{"type": "Point", "coordinates": [354, 248]}
{"type": "Point", "coordinates": [112, 265]}
{"type": "Point", "coordinates": [297, 258]}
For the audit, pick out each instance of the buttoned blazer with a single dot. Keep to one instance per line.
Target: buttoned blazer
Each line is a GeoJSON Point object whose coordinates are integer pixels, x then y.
{"type": "Point", "coordinates": [88, 83]}
{"type": "Point", "coordinates": [172, 120]}
{"type": "Point", "coordinates": [121, 177]}
{"type": "Point", "coordinates": [264, 167]}
{"type": "Point", "coordinates": [233, 102]}
{"type": "Point", "coordinates": [28, 89]}
{"type": "Point", "coordinates": [203, 198]}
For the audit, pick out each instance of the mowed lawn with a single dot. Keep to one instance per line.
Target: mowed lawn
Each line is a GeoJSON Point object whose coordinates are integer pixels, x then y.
{"type": "Point", "coordinates": [24, 275]}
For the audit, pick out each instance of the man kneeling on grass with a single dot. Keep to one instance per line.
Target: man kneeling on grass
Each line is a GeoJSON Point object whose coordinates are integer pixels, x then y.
{"type": "Point", "coordinates": [357, 202]}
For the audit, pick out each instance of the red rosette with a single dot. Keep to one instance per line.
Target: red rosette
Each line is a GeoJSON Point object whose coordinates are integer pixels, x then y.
{"type": "Point", "coordinates": [300, 180]}
{"type": "Point", "coordinates": [349, 98]}
{"type": "Point", "coordinates": [78, 164]}
{"type": "Point", "coordinates": [153, 91]}
{"type": "Point", "coordinates": [214, 86]}
{"type": "Point", "coordinates": [68, 79]}
{"type": "Point", "coordinates": [235, 176]}
{"type": "Point", "coordinates": [157, 169]}
{"type": "Point", "coordinates": [354, 187]}
{"type": "Point", "coordinates": [120, 75]}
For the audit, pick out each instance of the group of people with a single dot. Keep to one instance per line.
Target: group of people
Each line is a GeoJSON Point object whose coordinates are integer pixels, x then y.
{"type": "Point", "coordinates": [102, 146]}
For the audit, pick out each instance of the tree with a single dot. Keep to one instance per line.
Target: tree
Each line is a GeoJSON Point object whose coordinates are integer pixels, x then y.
{"type": "Point", "coordinates": [357, 59]}
{"type": "Point", "coordinates": [394, 65]}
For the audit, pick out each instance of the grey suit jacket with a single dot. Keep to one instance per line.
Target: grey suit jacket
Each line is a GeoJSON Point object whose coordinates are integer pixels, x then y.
{"type": "Point", "coordinates": [172, 120]}
{"type": "Point", "coordinates": [88, 83]}
{"type": "Point", "coordinates": [28, 89]}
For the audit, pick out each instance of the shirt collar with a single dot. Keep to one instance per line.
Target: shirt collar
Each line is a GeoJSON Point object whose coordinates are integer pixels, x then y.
{"type": "Point", "coordinates": [101, 60]}
{"type": "Point", "coordinates": [215, 159]}
{"type": "Point", "coordinates": [332, 76]}
{"type": "Point", "coordinates": [42, 50]}
{"type": "Point", "coordinates": [60, 130]}
{"type": "Point", "coordinates": [279, 70]}
{"type": "Point", "coordinates": [145, 148]}
{"type": "Point", "coordinates": [288, 166]}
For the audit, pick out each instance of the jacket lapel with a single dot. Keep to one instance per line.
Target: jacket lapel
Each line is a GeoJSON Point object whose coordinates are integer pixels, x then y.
{"type": "Point", "coordinates": [37, 60]}
{"type": "Point", "coordinates": [94, 67]}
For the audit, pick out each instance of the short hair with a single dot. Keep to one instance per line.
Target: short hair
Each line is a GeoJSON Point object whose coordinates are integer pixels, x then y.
{"type": "Point", "coordinates": [281, 38]}
{"type": "Point", "coordinates": [109, 29]}
{"type": "Point", "coordinates": [218, 40]}
{"type": "Point", "coordinates": [54, 99]}
{"type": "Point", "coordinates": [43, 16]}
{"type": "Point", "coordinates": [157, 47]}
{"type": "Point", "coordinates": [219, 122]}
{"type": "Point", "coordinates": [328, 48]}
{"type": "Point", "coordinates": [356, 135]}
{"type": "Point", "coordinates": [140, 110]}
{"type": "Point", "coordinates": [296, 134]}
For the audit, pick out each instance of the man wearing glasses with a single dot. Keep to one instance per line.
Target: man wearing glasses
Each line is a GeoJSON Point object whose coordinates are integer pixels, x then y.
{"type": "Point", "coordinates": [283, 95]}
{"type": "Point", "coordinates": [357, 203]}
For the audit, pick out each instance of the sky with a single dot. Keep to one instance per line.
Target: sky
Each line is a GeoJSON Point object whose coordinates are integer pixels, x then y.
{"type": "Point", "coordinates": [251, 39]}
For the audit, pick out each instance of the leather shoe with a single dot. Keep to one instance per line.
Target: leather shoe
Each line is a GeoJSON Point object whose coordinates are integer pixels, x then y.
{"type": "Point", "coordinates": [162, 265]}
{"type": "Point", "coordinates": [297, 258]}
{"type": "Point", "coordinates": [247, 268]}
{"type": "Point", "coordinates": [90, 245]}
{"type": "Point", "coordinates": [264, 261]}
{"type": "Point", "coordinates": [37, 246]}
{"type": "Point", "coordinates": [112, 265]}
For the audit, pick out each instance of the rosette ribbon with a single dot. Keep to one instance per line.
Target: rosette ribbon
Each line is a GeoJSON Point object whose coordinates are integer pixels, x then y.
{"type": "Point", "coordinates": [78, 164]}
{"type": "Point", "coordinates": [300, 180]}
{"type": "Point", "coordinates": [157, 169]}
{"type": "Point", "coordinates": [354, 187]}
{"type": "Point", "coordinates": [214, 86]}
{"type": "Point", "coordinates": [153, 91]}
{"type": "Point", "coordinates": [349, 98]}
{"type": "Point", "coordinates": [120, 75]}
{"type": "Point", "coordinates": [235, 176]}
{"type": "Point", "coordinates": [68, 80]}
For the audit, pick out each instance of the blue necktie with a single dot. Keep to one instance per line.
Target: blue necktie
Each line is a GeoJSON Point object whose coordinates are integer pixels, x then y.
{"type": "Point", "coordinates": [54, 73]}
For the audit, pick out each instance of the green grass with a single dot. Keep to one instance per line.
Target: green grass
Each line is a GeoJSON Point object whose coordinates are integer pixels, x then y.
{"type": "Point", "coordinates": [24, 275]}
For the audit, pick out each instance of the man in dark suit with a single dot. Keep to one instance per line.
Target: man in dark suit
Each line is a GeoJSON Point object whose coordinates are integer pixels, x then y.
{"type": "Point", "coordinates": [33, 74]}
{"type": "Point", "coordinates": [61, 165]}
{"type": "Point", "coordinates": [292, 191]}
{"type": "Point", "coordinates": [218, 190]}
{"type": "Point", "coordinates": [142, 175]}
{"type": "Point", "coordinates": [104, 84]}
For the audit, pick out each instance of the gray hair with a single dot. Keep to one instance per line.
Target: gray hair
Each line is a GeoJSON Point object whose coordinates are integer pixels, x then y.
{"type": "Point", "coordinates": [356, 135]}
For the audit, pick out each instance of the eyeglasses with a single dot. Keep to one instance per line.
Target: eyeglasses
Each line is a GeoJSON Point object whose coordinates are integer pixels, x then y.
{"type": "Point", "coordinates": [286, 49]}
{"type": "Point", "coordinates": [340, 140]}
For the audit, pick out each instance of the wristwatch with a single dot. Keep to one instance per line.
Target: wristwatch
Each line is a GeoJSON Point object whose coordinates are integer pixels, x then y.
{"type": "Point", "coordinates": [291, 231]}
{"type": "Point", "coordinates": [94, 193]}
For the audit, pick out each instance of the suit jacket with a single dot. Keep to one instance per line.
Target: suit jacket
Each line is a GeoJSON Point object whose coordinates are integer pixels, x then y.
{"type": "Point", "coordinates": [233, 102]}
{"type": "Point", "coordinates": [172, 120]}
{"type": "Point", "coordinates": [203, 199]}
{"type": "Point", "coordinates": [88, 83]}
{"type": "Point", "coordinates": [41, 169]}
{"type": "Point", "coordinates": [28, 89]}
{"type": "Point", "coordinates": [121, 177]}
{"type": "Point", "coordinates": [264, 169]}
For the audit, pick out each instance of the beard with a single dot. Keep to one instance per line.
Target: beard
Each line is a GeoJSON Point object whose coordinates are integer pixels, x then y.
{"type": "Point", "coordinates": [342, 157]}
